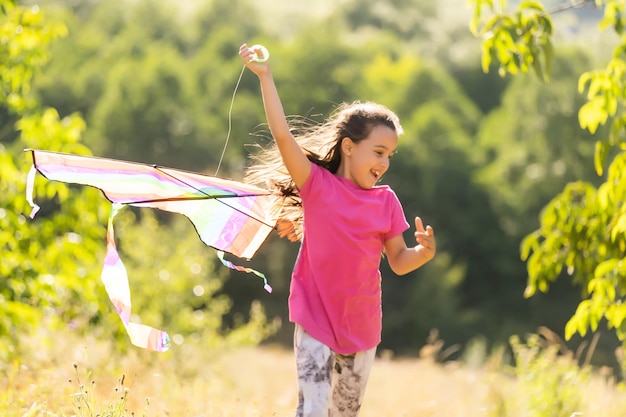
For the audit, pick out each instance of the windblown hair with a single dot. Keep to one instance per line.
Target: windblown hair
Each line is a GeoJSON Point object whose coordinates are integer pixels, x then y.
{"type": "Point", "coordinates": [322, 145]}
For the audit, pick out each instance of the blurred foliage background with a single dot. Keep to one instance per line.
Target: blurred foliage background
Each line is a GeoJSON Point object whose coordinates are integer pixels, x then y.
{"type": "Point", "coordinates": [152, 81]}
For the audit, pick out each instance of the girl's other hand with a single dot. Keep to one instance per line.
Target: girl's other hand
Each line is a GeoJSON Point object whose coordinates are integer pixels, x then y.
{"type": "Point", "coordinates": [425, 237]}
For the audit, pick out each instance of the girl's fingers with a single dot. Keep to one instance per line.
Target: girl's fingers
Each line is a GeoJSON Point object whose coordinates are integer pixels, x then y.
{"type": "Point", "coordinates": [419, 226]}
{"type": "Point", "coordinates": [246, 54]}
{"type": "Point", "coordinates": [426, 237]}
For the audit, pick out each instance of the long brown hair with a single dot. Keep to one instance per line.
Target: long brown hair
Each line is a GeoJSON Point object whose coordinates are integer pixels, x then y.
{"type": "Point", "coordinates": [322, 145]}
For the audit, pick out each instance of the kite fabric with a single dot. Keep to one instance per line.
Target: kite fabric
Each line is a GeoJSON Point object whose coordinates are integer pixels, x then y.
{"type": "Point", "coordinates": [229, 216]}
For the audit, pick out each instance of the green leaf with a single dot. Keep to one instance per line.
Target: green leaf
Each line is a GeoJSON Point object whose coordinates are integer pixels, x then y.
{"type": "Point", "coordinates": [615, 315]}
{"type": "Point", "coordinates": [570, 328]}
{"type": "Point", "coordinates": [534, 5]}
{"type": "Point", "coordinates": [591, 115]}
{"type": "Point", "coordinates": [548, 56]}
{"type": "Point", "coordinates": [529, 243]}
{"type": "Point", "coordinates": [619, 227]}
{"type": "Point", "coordinates": [529, 291]}
{"type": "Point", "coordinates": [583, 80]}
{"type": "Point", "coordinates": [605, 268]}
{"type": "Point", "coordinates": [486, 54]}
{"type": "Point", "coordinates": [538, 69]}
{"type": "Point", "coordinates": [594, 318]}
{"type": "Point", "coordinates": [473, 26]}
{"type": "Point", "coordinates": [600, 155]}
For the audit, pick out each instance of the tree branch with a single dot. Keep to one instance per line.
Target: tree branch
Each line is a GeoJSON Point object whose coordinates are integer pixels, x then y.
{"type": "Point", "coordinates": [573, 4]}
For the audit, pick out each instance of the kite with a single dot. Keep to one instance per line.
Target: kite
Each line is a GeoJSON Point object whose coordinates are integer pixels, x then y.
{"type": "Point", "coordinates": [229, 216]}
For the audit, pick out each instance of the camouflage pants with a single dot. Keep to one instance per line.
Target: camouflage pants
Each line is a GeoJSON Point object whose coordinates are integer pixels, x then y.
{"type": "Point", "coordinates": [330, 384]}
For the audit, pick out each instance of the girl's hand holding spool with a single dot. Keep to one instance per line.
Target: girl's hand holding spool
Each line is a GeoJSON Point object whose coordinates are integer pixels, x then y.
{"type": "Point", "coordinates": [255, 57]}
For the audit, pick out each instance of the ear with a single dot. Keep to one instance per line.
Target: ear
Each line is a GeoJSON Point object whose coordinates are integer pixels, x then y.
{"type": "Point", "coordinates": [346, 146]}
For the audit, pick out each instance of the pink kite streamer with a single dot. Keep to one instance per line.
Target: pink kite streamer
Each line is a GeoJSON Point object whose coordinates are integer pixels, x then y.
{"type": "Point", "coordinates": [231, 265]}
{"type": "Point", "coordinates": [115, 280]}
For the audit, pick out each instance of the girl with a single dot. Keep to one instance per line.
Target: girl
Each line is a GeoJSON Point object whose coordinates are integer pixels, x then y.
{"type": "Point", "coordinates": [345, 222]}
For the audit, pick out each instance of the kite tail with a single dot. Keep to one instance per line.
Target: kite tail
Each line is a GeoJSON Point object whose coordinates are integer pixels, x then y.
{"type": "Point", "coordinates": [30, 186]}
{"type": "Point", "coordinates": [115, 280]}
{"type": "Point", "coordinates": [266, 286]}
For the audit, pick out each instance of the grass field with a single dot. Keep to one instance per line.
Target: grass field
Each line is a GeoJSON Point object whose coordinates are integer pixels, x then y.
{"type": "Point", "coordinates": [65, 377]}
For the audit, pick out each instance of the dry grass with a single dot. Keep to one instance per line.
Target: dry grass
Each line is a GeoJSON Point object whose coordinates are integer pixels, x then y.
{"type": "Point", "coordinates": [191, 382]}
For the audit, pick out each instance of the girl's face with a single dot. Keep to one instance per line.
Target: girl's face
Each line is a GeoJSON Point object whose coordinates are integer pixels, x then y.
{"type": "Point", "coordinates": [365, 162]}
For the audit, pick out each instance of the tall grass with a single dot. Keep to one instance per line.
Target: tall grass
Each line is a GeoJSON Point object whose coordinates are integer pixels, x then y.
{"type": "Point", "coordinates": [62, 376]}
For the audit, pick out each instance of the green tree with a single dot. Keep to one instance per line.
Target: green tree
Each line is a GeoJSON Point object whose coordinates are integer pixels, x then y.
{"type": "Point", "coordinates": [44, 270]}
{"type": "Point", "coordinates": [582, 231]}
{"type": "Point", "coordinates": [531, 146]}
{"type": "Point", "coordinates": [171, 72]}
{"type": "Point", "coordinates": [527, 150]}
{"type": "Point", "coordinates": [404, 18]}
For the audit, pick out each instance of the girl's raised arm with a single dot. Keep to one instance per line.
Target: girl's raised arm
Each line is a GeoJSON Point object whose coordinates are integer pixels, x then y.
{"type": "Point", "coordinates": [295, 160]}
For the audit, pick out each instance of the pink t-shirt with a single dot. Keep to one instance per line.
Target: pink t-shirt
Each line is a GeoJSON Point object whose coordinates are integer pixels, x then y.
{"type": "Point", "coordinates": [336, 284]}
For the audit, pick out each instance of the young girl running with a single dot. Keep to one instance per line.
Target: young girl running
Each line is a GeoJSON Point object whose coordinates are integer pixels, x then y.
{"type": "Point", "coordinates": [345, 222]}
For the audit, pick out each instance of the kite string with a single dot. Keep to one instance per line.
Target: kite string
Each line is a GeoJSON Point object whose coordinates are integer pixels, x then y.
{"type": "Point", "coordinates": [230, 119]}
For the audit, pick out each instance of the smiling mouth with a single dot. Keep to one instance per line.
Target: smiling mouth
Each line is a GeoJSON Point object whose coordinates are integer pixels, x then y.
{"type": "Point", "coordinates": [376, 174]}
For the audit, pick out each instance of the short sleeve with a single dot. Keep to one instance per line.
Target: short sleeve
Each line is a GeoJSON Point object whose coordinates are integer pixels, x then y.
{"type": "Point", "coordinates": [309, 184]}
{"type": "Point", "coordinates": [398, 219]}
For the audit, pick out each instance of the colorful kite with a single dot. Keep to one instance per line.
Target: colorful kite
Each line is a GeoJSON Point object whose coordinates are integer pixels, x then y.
{"type": "Point", "coordinates": [229, 216]}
